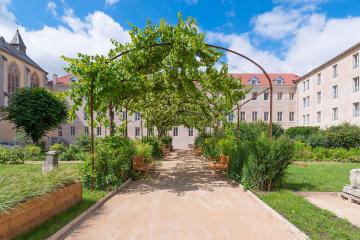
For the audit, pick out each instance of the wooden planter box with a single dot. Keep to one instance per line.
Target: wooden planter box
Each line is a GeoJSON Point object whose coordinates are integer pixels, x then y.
{"type": "Point", "coordinates": [34, 212]}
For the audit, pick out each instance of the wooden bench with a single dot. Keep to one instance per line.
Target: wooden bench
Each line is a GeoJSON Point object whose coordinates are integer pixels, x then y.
{"type": "Point", "coordinates": [219, 164]}
{"type": "Point", "coordinates": [140, 165]}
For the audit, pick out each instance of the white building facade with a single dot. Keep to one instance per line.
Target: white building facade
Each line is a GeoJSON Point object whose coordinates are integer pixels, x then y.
{"type": "Point", "coordinates": [330, 94]}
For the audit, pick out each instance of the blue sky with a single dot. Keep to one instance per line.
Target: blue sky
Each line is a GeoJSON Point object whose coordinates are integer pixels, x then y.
{"type": "Point", "coordinates": [283, 35]}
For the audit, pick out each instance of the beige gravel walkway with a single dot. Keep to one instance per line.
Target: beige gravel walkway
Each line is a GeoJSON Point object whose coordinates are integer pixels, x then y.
{"type": "Point", "coordinates": [183, 201]}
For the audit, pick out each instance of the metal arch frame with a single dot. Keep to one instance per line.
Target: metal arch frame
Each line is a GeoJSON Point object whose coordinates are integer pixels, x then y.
{"type": "Point", "coordinates": [230, 51]}
{"type": "Point", "coordinates": [169, 44]}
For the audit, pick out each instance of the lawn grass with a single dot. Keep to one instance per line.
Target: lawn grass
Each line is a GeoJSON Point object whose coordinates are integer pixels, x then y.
{"type": "Point", "coordinates": [32, 171]}
{"type": "Point", "coordinates": [57, 222]}
{"type": "Point", "coordinates": [315, 222]}
{"type": "Point", "coordinates": [318, 176]}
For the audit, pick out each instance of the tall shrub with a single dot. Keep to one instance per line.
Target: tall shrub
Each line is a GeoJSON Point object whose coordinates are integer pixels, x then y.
{"type": "Point", "coordinates": [267, 162]}
{"type": "Point", "coordinates": [301, 132]}
{"type": "Point", "coordinates": [156, 146]}
{"type": "Point", "coordinates": [113, 162]}
{"type": "Point", "coordinates": [345, 135]}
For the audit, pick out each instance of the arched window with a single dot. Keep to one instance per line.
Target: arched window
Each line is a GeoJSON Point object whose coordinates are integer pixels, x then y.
{"type": "Point", "coordinates": [34, 80]}
{"type": "Point", "coordinates": [13, 78]}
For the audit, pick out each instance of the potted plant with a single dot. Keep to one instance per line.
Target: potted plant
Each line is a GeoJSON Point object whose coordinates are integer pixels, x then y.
{"type": "Point", "coordinates": [166, 142]}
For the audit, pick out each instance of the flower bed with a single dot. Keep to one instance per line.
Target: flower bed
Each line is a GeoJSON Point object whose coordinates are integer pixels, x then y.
{"type": "Point", "coordinates": [35, 211]}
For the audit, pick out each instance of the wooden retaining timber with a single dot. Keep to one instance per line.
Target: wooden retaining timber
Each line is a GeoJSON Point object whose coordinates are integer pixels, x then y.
{"type": "Point", "coordinates": [34, 212]}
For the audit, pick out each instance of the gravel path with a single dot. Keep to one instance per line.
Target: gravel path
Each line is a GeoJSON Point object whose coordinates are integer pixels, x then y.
{"type": "Point", "coordinates": [183, 200]}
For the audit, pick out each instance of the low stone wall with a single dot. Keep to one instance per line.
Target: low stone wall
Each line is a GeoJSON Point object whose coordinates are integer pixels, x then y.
{"type": "Point", "coordinates": [32, 213]}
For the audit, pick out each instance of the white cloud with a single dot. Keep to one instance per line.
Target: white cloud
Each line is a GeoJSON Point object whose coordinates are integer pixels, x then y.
{"type": "Point", "coordinates": [278, 23]}
{"type": "Point", "coordinates": [51, 8]}
{"type": "Point", "coordinates": [90, 35]}
{"type": "Point", "coordinates": [315, 41]}
{"type": "Point", "coordinates": [111, 2]}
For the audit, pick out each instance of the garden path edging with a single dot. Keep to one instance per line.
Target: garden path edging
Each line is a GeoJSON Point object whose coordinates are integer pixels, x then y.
{"type": "Point", "coordinates": [64, 231]}
{"type": "Point", "coordinates": [277, 215]}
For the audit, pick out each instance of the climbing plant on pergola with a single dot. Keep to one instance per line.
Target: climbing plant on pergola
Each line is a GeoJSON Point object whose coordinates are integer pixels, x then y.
{"type": "Point", "coordinates": [167, 72]}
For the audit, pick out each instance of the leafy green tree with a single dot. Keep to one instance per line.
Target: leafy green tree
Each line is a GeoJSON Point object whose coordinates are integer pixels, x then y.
{"type": "Point", "coordinates": [35, 111]}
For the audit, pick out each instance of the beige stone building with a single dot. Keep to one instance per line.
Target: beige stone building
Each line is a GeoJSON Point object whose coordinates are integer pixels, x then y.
{"type": "Point", "coordinates": [330, 94]}
{"type": "Point", "coordinates": [17, 70]}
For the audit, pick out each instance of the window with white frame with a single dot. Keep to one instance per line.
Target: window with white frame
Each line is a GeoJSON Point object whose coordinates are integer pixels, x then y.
{"type": "Point", "coordinates": [280, 96]}
{"type": "Point", "coordinates": [86, 130]}
{"type": "Point", "coordinates": [124, 115]}
{"type": "Point", "coordinates": [191, 132]}
{"type": "Point", "coordinates": [356, 60]}
{"type": "Point", "coordinates": [230, 117]}
{"type": "Point", "coordinates": [304, 86]}
{"type": "Point", "coordinates": [266, 116]}
{"type": "Point", "coordinates": [266, 95]}
{"type": "Point", "coordinates": [335, 114]}
{"type": "Point", "coordinates": [254, 81]}
{"type": "Point", "coordinates": [318, 94]}
{"type": "Point", "coordinates": [254, 116]}
{"type": "Point", "coordinates": [307, 119]}
{"type": "Point", "coordinates": [356, 84]}
{"type": "Point", "coordinates": [243, 97]}
{"type": "Point", "coordinates": [304, 102]}
{"type": "Point", "coordinates": [308, 101]}
{"type": "Point", "coordinates": [137, 116]}
{"type": "Point", "coordinates": [291, 96]}
{"type": "Point", "coordinates": [279, 116]}
{"type": "Point", "coordinates": [318, 115]}
{"type": "Point", "coordinates": [308, 84]}
{"type": "Point", "coordinates": [254, 96]}
{"type": "Point", "coordinates": [291, 116]}
{"type": "Point", "coordinates": [72, 130]}
{"type": "Point", "coordinates": [85, 116]}
{"type": "Point", "coordinates": [98, 131]}
{"type": "Point", "coordinates": [318, 79]}
{"type": "Point", "coordinates": [242, 116]}
{"type": "Point", "coordinates": [335, 91]}
{"type": "Point", "coordinates": [175, 131]}
{"type": "Point", "coordinates": [335, 71]}
{"type": "Point", "coordinates": [137, 131]}
{"type": "Point", "coordinates": [279, 80]}
{"type": "Point", "coordinates": [356, 109]}
{"type": "Point", "coordinates": [60, 131]}
{"type": "Point", "coordinates": [304, 120]}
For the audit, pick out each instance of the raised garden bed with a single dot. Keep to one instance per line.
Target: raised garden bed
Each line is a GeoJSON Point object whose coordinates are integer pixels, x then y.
{"type": "Point", "coordinates": [29, 214]}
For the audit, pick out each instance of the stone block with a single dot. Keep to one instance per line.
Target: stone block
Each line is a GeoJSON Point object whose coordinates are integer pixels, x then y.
{"type": "Point", "coordinates": [51, 162]}
{"type": "Point", "coordinates": [355, 178]}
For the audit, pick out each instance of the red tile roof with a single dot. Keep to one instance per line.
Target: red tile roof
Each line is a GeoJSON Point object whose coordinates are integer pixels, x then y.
{"type": "Point", "coordinates": [288, 78]}
{"type": "Point", "coordinates": [64, 80]}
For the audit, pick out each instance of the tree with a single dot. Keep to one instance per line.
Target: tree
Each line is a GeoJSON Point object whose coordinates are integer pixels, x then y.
{"type": "Point", "coordinates": [35, 111]}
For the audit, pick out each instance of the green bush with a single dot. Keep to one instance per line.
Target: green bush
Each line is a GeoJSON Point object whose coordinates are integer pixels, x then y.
{"type": "Point", "coordinates": [143, 149]}
{"type": "Point", "coordinates": [156, 146]}
{"type": "Point", "coordinates": [318, 139]}
{"type": "Point", "coordinates": [345, 135]}
{"type": "Point", "coordinates": [302, 132]}
{"type": "Point", "coordinates": [302, 152]}
{"type": "Point", "coordinates": [57, 147]}
{"type": "Point", "coordinates": [210, 148]}
{"type": "Point", "coordinates": [73, 153]}
{"type": "Point", "coordinates": [250, 131]}
{"type": "Point", "coordinates": [267, 162]}
{"type": "Point", "coordinates": [83, 142]}
{"type": "Point", "coordinates": [166, 141]}
{"type": "Point", "coordinates": [14, 155]}
{"type": "Point", "coordinates": [200, 138]}
{"type": "Point", "coordinates": [32, 153]}
{"type": "Point", "coordinates": [113, 160]}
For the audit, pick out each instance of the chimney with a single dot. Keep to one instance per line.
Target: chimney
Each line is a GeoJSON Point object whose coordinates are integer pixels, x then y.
{"type": "Point", "coordinates": [55, 76]}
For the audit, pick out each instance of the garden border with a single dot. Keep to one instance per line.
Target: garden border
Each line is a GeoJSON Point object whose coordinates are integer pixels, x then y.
{"type": "Point", "coordinates": [64, 231]}
{"type": "Point", "coordinates": [277, 215]}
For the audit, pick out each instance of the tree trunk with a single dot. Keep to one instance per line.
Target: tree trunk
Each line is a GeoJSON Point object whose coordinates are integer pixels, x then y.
{"type": "Point", "coordinates": [111, 117]}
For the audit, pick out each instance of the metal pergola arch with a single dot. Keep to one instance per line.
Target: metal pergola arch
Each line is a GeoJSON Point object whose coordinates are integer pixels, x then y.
{"type": "Point", "coordinates": [169, 44]}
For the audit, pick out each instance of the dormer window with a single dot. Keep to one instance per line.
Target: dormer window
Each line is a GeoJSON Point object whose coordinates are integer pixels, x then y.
{"type": "Point", "coordinates": [254, 81]}
{"type": "Point", "coordinates": [279, 81]}
{"type": "Point", "coordinates": [73, 79]}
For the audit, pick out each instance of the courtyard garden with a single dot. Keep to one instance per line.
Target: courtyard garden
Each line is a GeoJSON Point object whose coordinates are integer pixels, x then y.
{"type": "Point", "coordinates": [178, 84]}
